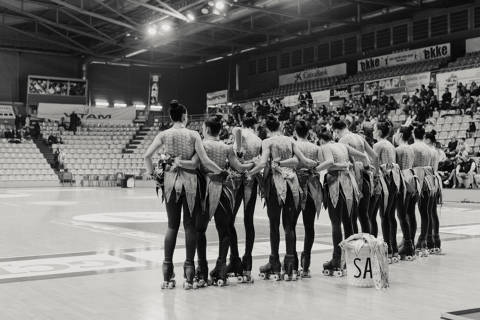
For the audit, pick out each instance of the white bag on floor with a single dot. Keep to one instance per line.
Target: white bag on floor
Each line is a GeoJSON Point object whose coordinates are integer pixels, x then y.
{"type": "Point", "coordinates": [366, 259]}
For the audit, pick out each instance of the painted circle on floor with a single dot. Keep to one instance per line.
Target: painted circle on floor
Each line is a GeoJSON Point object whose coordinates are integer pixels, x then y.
{"type": "Point", "coordinates": [13, 195]}
{"type": "Point", "coordinates": [124, 217]}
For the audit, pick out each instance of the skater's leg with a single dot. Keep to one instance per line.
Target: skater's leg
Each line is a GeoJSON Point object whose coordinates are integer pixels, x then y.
{"type": "Point", "coordinates": [343, 209]}
{"type": "Point", "coordinates": [201, 223]}
{"type": "Point", "coordinates": [289, 221]}
{"type": "Point", "coordinates": [274, 213]}
{"type": "Point", "coordinates": [402, 206]}
{"type": "Point", "coordinates": [309, 224]}
{"type": "Point", "coordinates": [189, 224]}
{"type": "Point", "coordinates": [354, 215]}
{"type": "Point", "coordinates": [393, 224]}
{"type": "Point", "coordinates": [335, 215]}
{"type": "Point", "coordinates": [435, 221]}
{"type": "Point", "coordinates": [233, 231]}
{"type": "Point", "coordinates": [174, 210]}
{"type": "Point", "coordinates": [223, 218]}
{"type": "Point", "coordinates": [248, 221]}
{"type": "Point", "coordinates": [411, 218]}
{"type": "Point", "coordinates": [372, 214]}
{"type": "Point", "coordinates": [424, 216]}
{"type": "Point", "coordinates": [363, 208]}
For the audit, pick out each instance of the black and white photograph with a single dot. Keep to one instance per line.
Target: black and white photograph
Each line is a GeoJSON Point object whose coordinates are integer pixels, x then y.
{"type": "Point", "coordinates": [239, 159]}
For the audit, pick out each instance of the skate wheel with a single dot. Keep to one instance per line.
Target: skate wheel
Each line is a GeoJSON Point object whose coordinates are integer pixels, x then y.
{"type": "Point", "coordinates": [187, 286]}
{"type": "Point", "coordinates": [389, 261]}
{"type": "Point", "coordinates": [337, 273]}
{"type": "Point", "coordinates": [395, 260]}
{"type": "Point", "coordinates": [409, 258]}
{"type": "Point", "coordinates": [240, 279]}
{"type": "Point", "coordinates": [195, 285]}
{"type": "Point", "coordinates": [326, 272]}
{"type": "Point", "coordinates": [262, 276]}
{"type": "Point", "coordinates": [295, 277]}
{"type": "Point", "coordinates": [220, 283]}
{"type": "Point", "coordinates": [286, 277]}
{"type": "Point", "coordinates": [275, 277]}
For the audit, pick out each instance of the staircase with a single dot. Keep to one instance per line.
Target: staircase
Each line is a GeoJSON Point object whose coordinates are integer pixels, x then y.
{"type": "Point", "coordinates": [47, 152]}
{"type": "Point", "coordinates": [137, 139]}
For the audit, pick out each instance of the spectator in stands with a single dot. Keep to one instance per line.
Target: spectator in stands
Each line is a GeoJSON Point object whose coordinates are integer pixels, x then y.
{"type": "Point", "coordinates": [27, 121]}
{"type": "Point", "coordinates": [423, 92]}
{"type": "Point", "coordinates": [472, 128]}
{"type": "Point", "coordinates": [446, 99]}
{"type": "Point", "coordinates": [309, 98]}
{"type": "Point", "coordinates": [301, 99]}
{"type": "Point", "coordinates": [392, 104]}
{"type": "Point", "coordinates": [474, 89]}
{"type": "Point", "coordinates": [59, 159]}
{"type": "Point", "coordinates": [74, 122]}
{"type": "Point", "coordinates": [465, 171]}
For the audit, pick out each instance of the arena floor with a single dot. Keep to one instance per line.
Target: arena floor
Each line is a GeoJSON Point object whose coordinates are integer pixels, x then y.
{"type": "Point", "coordinates": [78, 253]}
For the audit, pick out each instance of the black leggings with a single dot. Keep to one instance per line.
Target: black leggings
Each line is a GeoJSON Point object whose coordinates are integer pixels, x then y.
{"type": "Point", "coordinates": [339, 215]}
{"type": "Point", "coordinates": [223, 220]}
{"type": "Point", "coordinates": [372, 213]}
{"type": "Point", "coordinates": [434, 227]}
{"type": "Point", "coordinates": [289, 215]}
{"type": "Point", "coordinates": [174, 213]}
{"type": "Point", "coordinates": [360, 212]}
{"type": "Point", "coordinates": [308, 215]}
{"type": "Point", "coordinates": [425, 207]}
{"type": "Point", "coordinates": [248, 211]}
{"type": "Point", "coordinates": [406, 215]}
{"type": "Point", "coordinates": [387, 215]}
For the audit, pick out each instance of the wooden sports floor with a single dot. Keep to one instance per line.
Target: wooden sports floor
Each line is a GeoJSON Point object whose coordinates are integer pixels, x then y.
{"type": "Point", "coordinates": [81, 253]}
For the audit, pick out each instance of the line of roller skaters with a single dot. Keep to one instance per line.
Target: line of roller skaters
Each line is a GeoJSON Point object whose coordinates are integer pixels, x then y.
{"type": "Point", "coordinates": [208, 178]}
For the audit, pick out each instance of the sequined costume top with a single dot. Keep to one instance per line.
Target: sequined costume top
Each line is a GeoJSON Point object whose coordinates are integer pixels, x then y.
{"type": "Point", "coordinates": [389, 171]}
{"type": "Point", "coordinates": [219, 153]}
{"type": "Point", "coordinates": [180, 142]}
{"type": "Point", "coordinates": [405, 158]}
{"type": "Point", "coordinates": [281, 148]}
{"type": "Point", "coordinates": [309, 179]}
{"type": "Point", "coordinates": [422, 165]}
{"type": "Point", "coordinates": [341, 181]}
{"type": "Point", "coordinates": [362, 175]}
{"type": "Point", "coordinates": [251, 144]}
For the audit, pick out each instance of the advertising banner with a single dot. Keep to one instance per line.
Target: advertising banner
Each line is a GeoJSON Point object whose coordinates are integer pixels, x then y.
{"type": "Point", "coordinates": [55, 112]}
{"type": "Point", "coordinates": [451, 79]}
{"type": "Point", "coordinates": [312, 74]}
{"type": "Point", "coordinates": [6, 112]}
{"type": "Point", "coordinates": [415, 81]}
{"type": "Point", "coordinates": [154, 86]}
{"type": "Point", "coordinates": [56, 86]}
{"type": "Point", "coordinates": [321, 96]}
{"type": "Point", "coordinates": [340, 92]}
{"type": "Point", "coordinates": [356, 89]}
{"type": "Point", "coordinates": [472, 45]}
{"type": "Point", "coordinates": [388, 85]}
{"type": "Point", "coordinates": [217, 97]}
{"type": "Point", "coordinates": [409, 56]}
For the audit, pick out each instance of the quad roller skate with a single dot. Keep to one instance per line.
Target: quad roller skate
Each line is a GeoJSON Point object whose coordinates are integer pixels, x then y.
{"type": "Point", "coordinates": [421, 248]}
{"type": "Point", "coordinates": [218, 275]}
{"type": "Point", "coordinates": [393, 257]}
{"type": "Point", "coordinates": [189, 275]}
{"type": "Point", "coordinates": [305, 263]}
{"type": "Point", "coordinates": [168, 276]}
{"type": "Point", "coordinates": [247, 269]}
{"type": "Point", "coordinates": [201, 275]}
{"type": "Point", "coordinates": [437, 245]}
{"type": "Point", "coordinates": [271, 270]}
{"type": "Point", "coordinates": [407, 251]}
{"type": "Point", "coordinates": [430, 245]}
{"type": "Point", "coordinates": [290, 268]}
{"type": "Point", "coordinates": [234, 269]}
{"type": "Point", "coordinates": [333, 268]}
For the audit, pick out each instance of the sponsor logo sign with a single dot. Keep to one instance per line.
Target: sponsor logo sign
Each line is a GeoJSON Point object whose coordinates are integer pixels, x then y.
{"type": "Point", "coordinates": [312, 74]}
{"type": "Point", "coordinates": [6, 112]}
{"type": "Point", "coordinates": [217, 97]}
{"type": "Point", "coordinates": [409, 56]}
{"type": "Point", "coordinates": [55, 112]}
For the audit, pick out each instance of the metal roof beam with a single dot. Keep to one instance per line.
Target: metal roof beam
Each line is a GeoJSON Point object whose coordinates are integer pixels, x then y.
{"type": "Point", "coordinates": [174, 13]}
{"type": "Point", "coordinates": [118, 13]}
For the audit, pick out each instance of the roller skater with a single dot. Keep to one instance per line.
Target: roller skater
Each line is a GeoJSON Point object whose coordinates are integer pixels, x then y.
{"type": "Point", "coordinates": [247, 147]}
{"type": "Point", "coordinates": [363, 174]}
{"type": "Point", "coordinates": [281, 189]}
{"type": "Point", "coordinates": [201, 275]}
{"type": "Point", "coordinates": [178, 182]}
{"type": "Point", "coordinates": [433, 234]}
{"type": "Point", "coordinates": [168, 275]}
{"type": "Point", "coordinates": [408, 193]}
{"type": "Point", "coordinates": [309, 179]}
{"type": "Point", "coordinates": [341, 192]}
{"type": "Point", "coordinates": [271, 270]}
{"type": "Point", "coordinates": [389, 175]}
{"type": "Point", "coordinates": [290, 267]}
{"type": "Point", "coordinates": [424, 172]}
{"type": "Point", "coordinates": [219, 195]}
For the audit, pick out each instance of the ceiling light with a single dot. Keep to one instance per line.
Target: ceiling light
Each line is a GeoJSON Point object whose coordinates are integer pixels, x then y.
{"type": "Point", "coordinates": [215, 11]}
{"type": "Point", "coordinates": [131, 54]}
{"type": "Point", "coordinates": [214, 59]}
{"type": "Point", "coordinates": [166, 27]}
{"type": "Point", "coordinates": [205, 10]}
{"type": "Point", "coordinates": [211, 3]}
{"type": "Point", "coordinates": [119, 104]}
{"type": "Point", "coordinates": [151, 30]}
{"type": "Point", "coordinates": [190, 17]}
{"type": "Point", "coordinates": [101, 103]}
{"type": "Point", "coordinates": [220, 5]}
